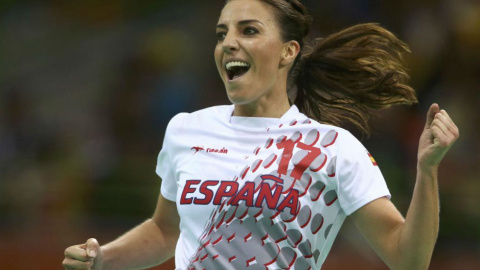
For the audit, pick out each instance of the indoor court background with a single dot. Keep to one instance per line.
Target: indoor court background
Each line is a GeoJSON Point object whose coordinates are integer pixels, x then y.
{"type": "Point", "coordinates": [88, 87]}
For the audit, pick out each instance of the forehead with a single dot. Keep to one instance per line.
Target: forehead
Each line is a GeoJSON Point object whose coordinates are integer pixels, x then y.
{"type": "Point", "coordinates": [239, 10]}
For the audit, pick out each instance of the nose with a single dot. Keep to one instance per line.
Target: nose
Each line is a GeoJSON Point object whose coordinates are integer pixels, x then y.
{"type": "Point", "coordinates": [230, 43]}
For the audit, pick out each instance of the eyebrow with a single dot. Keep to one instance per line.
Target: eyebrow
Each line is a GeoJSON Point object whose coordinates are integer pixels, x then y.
{"type": "Point", "coordinates": [244, 22]}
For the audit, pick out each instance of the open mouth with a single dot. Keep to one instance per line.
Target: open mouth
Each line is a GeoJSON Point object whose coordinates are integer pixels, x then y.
{"type": "Point", "coordinates": [236, 69]}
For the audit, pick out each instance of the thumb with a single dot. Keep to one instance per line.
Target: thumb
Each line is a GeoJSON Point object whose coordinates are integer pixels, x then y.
{"type": "Point", "coordinates": [92, 247]}
{"type": "Point", "coordinates": [434, 109]}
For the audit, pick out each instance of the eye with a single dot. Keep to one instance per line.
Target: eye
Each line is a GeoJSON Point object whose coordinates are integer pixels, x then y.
{"type": "Point", "coordinates": [250, 31]}
{"type": "Point", "coordinates": [221, 36]}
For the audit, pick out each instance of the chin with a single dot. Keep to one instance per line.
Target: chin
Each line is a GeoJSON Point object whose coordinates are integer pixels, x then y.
{"type": "Point", "coordinates": [236, 95]}
{"type": "Point", "coordinates": [238, 99]}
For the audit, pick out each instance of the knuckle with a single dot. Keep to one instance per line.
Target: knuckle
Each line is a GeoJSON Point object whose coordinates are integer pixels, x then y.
{"type": "Point", "coordinates": [444, 142]}
{"type": "Point", "coordinates": [92, 241]}
{"type": "Point", "coordinates": [66, 263]}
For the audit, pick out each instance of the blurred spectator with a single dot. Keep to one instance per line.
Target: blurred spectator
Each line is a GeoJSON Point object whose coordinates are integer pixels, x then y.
{"type": "Point", "coordinates": [87, 89]}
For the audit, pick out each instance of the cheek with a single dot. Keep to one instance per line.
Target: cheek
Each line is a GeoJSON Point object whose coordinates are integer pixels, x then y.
{"type": "Point", "coordinates": [270, 57]}
{"type": "Point", "coordinates": [271, 51]}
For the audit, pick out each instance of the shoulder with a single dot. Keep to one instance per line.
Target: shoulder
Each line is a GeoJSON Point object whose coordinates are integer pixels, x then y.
{"type": "Point", "coordinates": [186, 120]}
{"type": "Point", "coordinates": [337, 141]}
{"type": "Point", "coordinates": [350, 153]}
{"type": "Point", "coordinates": [334, 134]}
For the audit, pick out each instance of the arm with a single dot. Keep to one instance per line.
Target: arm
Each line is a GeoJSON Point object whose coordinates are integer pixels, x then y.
{"type": "Point", "coordinates": [408, 243]}
{"type": "Point", "coordinates": [149, 244]}
{"type": "Point", "coordinates": [146, 245]}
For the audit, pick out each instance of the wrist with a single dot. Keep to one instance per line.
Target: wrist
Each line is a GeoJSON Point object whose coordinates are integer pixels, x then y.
{"type": "Point", "coordinates": [427, 169]}
{"type": "Point", "coordinates": [104, 258]}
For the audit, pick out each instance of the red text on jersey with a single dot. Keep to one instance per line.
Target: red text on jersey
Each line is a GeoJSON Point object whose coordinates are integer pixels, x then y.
{"type": "Point", "coordinates": [264, 194]}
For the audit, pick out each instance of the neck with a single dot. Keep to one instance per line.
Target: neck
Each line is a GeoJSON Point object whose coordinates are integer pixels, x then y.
{"type": "Point", "coordinates": [273, 104]}
{"type": "Point", "coordinates": [267, 107]}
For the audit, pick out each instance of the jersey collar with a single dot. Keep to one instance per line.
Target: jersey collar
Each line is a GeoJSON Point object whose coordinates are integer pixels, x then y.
{"type": "Point", "coordinates": [263, 122]}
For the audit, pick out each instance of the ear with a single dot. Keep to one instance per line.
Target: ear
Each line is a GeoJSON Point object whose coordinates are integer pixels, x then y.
{"type": "Point", "coordinates": [289, 52]}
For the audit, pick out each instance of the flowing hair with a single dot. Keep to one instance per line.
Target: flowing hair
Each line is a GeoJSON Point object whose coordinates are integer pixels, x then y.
{"type": "Point", "coordinates": [347, 76]}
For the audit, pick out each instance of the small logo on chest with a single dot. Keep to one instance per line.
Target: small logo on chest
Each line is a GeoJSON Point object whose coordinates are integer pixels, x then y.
{"type": "Point", "coordinates": [197, 149]}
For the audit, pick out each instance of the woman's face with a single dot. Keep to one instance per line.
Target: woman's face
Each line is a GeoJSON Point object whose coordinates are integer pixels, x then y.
{"type": "Point", "coordinates": [248, 54]}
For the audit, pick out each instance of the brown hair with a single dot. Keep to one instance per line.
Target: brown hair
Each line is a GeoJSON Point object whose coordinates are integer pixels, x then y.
{"type": "Point", "coordinates": [340, 78]}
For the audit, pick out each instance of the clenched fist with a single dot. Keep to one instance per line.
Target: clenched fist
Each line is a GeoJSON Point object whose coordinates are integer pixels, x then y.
{"type": "Point", "coordinates": [86, 256]}
{"type": "Point", "coordinates": [438, 136]}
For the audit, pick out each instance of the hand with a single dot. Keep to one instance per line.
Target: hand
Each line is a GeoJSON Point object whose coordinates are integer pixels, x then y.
{"type": "Point", "coordinates": [86, 256]}
{"type": "Point", "coordinates": [438, 136]}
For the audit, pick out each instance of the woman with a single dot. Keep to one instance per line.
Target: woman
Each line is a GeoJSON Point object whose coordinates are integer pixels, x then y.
{"type": "Point", "coordinates": [264, 184]}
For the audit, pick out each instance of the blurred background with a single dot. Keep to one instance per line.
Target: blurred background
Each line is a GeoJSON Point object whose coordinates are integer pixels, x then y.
{"type": "Point", "coordinates": [88, 87]}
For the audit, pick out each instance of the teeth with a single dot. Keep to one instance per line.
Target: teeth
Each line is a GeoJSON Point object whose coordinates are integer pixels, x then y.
{"type": "Point", "coordinates": [229, 65]}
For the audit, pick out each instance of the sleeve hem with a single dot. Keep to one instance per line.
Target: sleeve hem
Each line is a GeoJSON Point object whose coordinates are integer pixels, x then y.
{"type": "Point", "coordinates": [363, 201]}
{"type": "Point", "coordinates": [168, 196]}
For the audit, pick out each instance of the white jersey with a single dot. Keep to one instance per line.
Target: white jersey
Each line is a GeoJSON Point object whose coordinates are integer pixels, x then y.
{"type": "Point", "coordinates": [262, 193]}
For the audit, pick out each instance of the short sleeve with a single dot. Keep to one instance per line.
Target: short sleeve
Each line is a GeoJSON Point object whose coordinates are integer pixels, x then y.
{"type": "Point", "coordinates": [165, 166]}
{"type": "Point", "coordinates": [359, 178]}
